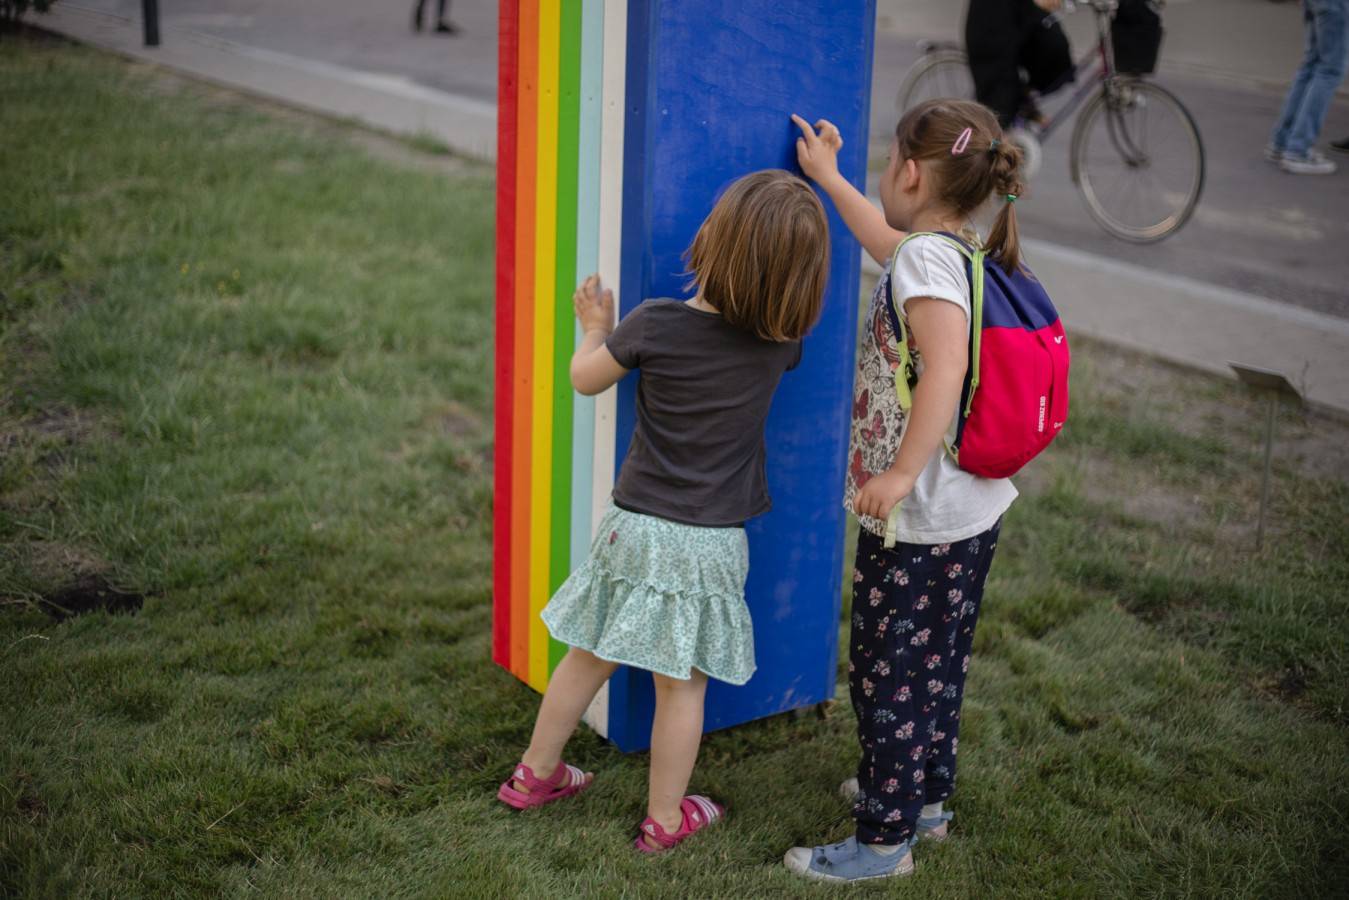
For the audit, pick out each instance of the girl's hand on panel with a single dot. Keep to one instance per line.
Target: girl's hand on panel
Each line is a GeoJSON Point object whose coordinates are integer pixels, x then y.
{"type": "Point", "coordinates": [881, 492]}
{"type": "Point", "coordinates": [594, 305]}
{"type": "Point", "coordinates": [593, 367]}
{"type": "Point", "coordinates": [817, 151]}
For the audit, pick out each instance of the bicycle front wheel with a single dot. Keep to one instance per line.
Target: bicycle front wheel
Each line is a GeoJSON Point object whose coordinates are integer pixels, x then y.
{"type": "Point", "coordinates": [942, 74]}
{"type": "Point", "coordinates": [1138, 160]}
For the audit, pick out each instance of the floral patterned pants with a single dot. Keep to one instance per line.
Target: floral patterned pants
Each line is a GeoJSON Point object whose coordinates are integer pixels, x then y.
{"type": "Point", "coordinates": [913, 614]}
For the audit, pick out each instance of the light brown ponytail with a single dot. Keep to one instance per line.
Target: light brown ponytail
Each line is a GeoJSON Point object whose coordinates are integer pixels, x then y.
{"type": "Point", "coordinates": [969, 168]}
{"type": "Point", "coordinates": [1004, 244]}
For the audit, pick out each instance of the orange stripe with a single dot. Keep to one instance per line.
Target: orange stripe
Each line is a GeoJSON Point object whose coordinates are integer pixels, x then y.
{"type": "Point", "coordinates": [527, 118]}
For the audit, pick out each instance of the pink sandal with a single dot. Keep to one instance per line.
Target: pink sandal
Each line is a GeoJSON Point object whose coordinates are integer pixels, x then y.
{"type": "Point", "coordinates": [699, 812]}
{"type": "Point", "coordinates": [542, 790]}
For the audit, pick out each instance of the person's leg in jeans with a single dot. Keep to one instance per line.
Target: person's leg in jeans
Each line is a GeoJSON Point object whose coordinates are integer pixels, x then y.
{"type": "Point", "coordinates": [1322, 69]}
{"type": "Point", "coordinates": [1293, 102]}
{"type": "Point", "coordinates": [977, 557]}
{"type": "Point", "coordinates": [1329, 24]}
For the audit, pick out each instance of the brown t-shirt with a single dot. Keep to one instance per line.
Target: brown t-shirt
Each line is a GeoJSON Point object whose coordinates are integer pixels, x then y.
{"type": "Point", "coordinates": [697, 453]}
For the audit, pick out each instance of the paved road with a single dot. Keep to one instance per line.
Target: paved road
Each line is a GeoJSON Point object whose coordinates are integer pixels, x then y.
{"type": "Point", "coordinates": [1257, 229]}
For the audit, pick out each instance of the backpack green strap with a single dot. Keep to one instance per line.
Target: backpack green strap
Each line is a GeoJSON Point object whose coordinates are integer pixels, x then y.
{"type": "Point", "coordinates": [976, 323]}
{"type": "Point", "coordinates": [907, 373]}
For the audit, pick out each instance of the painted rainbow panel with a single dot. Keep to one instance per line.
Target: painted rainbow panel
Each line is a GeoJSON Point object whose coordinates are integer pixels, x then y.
{"type": "Point", "coordinates": [558, 114]}
{"type": "Point", "coordinates": [619, 123]}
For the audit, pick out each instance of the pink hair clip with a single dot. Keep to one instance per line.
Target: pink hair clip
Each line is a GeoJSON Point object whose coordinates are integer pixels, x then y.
{"type": "Point", "coordinates": [961, 142]}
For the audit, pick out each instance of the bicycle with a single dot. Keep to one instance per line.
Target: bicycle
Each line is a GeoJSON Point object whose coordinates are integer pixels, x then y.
{"type": "Point", "coordinates": [1134, 185]}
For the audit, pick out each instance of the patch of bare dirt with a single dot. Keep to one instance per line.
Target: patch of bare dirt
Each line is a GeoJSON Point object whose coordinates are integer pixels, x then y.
{"type": "Point", "coordinates": [462, 426]}
{"type": "Point", "coordinates": [90, 593]}
{"type": "Point", "coordinates": [457, 420]}
{"type": "Point", "coordinates": [27, 802]}
{"type": "Point", "coordinates": [48, 437]}
{"type": "Point", "coordinates": [52, 562]}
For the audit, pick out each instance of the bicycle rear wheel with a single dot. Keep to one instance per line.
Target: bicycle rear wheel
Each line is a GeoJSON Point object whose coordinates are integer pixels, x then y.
{"type": "Point", "coordinates": [942, 73]}
{"type": "Point", "coordinates": [1138, 160]}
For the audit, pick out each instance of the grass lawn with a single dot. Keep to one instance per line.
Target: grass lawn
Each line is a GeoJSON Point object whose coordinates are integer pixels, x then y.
{"type": "Point", "coordinates": [245, 359]}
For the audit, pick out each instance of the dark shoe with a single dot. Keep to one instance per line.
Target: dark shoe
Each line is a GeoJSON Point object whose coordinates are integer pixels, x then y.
{"type": "Point", "coordinates": [417, 19]}
{"type": "Point", "coordinates": [1030, 113]}
{"type": "Point", "coordinates": [1341, 146]}
{"type": "Point", "coordinates": [447, 28]}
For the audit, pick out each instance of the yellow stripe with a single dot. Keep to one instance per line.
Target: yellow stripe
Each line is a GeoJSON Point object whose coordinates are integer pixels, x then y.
{"type": "Point", "coordinates": [545, 276]}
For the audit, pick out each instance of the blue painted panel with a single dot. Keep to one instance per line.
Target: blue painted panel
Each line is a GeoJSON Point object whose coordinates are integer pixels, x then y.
{"type": "Point", "coordinates": [631, 702]}
{"type": "Point", "coordinates": [711, 86]}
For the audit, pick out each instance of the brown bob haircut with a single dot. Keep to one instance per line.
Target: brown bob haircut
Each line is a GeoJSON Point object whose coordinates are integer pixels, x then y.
{"type": "Point", "coordinates": [761, 257]}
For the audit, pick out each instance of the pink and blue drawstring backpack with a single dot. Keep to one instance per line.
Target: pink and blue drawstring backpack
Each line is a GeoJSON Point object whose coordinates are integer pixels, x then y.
{"type": "Point", "coordinates": [1015, 398]}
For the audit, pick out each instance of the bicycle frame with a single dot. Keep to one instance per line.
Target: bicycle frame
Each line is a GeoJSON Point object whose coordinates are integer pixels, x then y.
{"type": "Point", "coordinates": [1103, 97]}
{"type": "Point", "coordinates": [1100, 58]}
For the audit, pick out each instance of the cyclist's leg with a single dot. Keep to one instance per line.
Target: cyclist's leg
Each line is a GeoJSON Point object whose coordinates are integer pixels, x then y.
{"type": "Point", "coordinates": [1044, 52]}
{"type": "Point", "coordinates": [992, 37]}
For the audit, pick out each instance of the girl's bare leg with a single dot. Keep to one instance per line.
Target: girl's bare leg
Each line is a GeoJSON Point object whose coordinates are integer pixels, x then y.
{"type": "Point", "coordinates": [574, 684]}
{"type": "Point", "coordinates": [675, 736]}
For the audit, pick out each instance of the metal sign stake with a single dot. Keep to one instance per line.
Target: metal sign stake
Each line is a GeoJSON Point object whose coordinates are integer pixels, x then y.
{"type": "Point", "coordinates": [1275, 385]}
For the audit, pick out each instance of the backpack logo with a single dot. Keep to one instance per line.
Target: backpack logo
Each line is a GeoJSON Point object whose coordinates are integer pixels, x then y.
{"type": "Point", "coordinates": [1058, 339]}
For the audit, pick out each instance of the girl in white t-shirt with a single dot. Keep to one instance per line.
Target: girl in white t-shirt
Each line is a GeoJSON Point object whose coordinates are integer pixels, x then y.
{"type": "Point", "coordinates": [915, 603]}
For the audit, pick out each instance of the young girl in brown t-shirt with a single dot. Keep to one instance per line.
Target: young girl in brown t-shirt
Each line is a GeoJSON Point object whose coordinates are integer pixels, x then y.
{"type": "Point", "coordinates": [663, 587]}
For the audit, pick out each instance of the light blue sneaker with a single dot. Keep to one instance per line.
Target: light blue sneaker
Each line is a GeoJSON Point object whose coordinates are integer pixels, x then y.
{"type": "Point", "coordinates": [849, 861]}
{"type": "Point", "coordinates": [936, 828]}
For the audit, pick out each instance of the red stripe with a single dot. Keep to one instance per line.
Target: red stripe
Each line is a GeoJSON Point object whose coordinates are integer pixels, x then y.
{"type": "Point", "coordinates": [507, 76]}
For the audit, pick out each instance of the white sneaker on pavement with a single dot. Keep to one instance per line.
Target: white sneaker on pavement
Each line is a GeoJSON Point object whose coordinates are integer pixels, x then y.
{"type": "Point", "coordinates": [1273, 154]}
{"type": "Point", "coordinates": [1313, 162]}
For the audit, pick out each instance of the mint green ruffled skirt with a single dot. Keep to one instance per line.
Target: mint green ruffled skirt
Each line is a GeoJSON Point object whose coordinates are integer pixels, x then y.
{"type": "Point", "coordinates": [660, 596]}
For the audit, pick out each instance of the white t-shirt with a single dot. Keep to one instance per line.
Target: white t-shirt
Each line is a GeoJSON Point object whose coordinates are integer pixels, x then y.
{"type": "Point", "coordinates": [947, 503]}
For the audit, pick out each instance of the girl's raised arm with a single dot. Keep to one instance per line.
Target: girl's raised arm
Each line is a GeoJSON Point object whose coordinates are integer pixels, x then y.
{"type": "Point", "coordinates": [817, 152]}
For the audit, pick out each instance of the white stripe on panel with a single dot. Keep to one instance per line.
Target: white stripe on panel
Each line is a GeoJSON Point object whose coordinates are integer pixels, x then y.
{"type": "Point", "coordinates": [597, 714]}
{"type": "Point", "coordinates": [610, 228]}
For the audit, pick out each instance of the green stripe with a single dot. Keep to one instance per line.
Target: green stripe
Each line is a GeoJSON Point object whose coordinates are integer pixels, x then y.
{"type": "Point", "coordinates": [568, 129]}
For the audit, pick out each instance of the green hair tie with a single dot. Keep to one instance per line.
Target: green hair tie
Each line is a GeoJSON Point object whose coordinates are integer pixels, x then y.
{"type": "Point", "coordinates": [1011, 198]}
{"type": "Point", "coordinates": [992, 145]}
